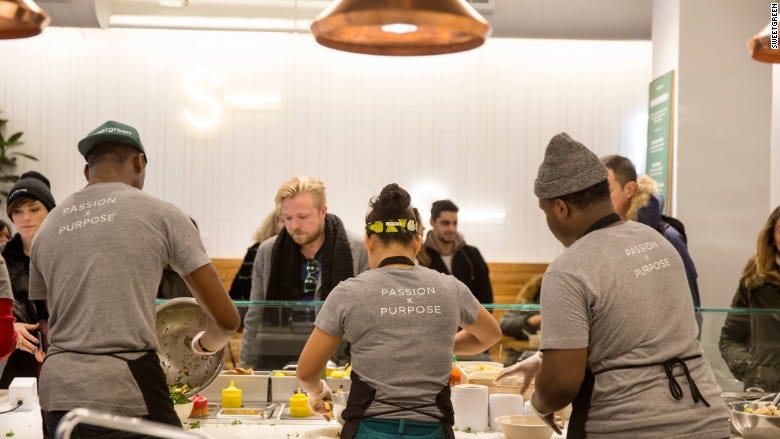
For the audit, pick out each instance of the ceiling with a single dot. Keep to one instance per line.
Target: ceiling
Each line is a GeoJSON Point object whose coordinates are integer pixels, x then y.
{"type": "Point", "coordinates": [583, 19]}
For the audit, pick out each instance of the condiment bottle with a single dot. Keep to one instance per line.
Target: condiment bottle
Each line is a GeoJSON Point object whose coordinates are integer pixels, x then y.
{"type": "Point", "coordinates": [455, 374]}
{"type": "Point", "coordinates": [231, 397]}
{"type": "Point", "coordinates": [200, 406]}
{"type": "Point", "coordinates": [299, 405]}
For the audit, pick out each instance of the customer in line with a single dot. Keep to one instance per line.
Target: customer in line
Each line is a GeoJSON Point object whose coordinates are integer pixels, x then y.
{"type": "Point", "coordinates": [449, 253]}
{"type": "Point", "coordinates": [402, 342]}
{"type": "Point", "coordinates": [304, 262]}
{"type": "Point", "coordinates": [749, 341]}
{"type": "Point", "coordinates": [29, 202]}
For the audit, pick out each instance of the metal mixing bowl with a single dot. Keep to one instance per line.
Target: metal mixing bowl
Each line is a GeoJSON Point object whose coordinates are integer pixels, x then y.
{"type": "Point", "coordinates": [177, 322]}
{"type": "Point", "coordinates": [752, 426]}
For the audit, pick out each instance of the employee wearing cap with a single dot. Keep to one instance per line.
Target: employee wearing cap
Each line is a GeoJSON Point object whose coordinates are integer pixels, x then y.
{"type": "Point", "coordinates": [97, 261]}
{"type": "Point", "coordinates": [618, 333]}
{"type": "Point", "coordinates": [29, 201]}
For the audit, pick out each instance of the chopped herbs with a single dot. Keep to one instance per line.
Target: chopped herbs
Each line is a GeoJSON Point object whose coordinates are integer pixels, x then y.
{"type": "Point", "coordinates": [236, 422]}
{"type": "Point", "coordinates": [178, 392]}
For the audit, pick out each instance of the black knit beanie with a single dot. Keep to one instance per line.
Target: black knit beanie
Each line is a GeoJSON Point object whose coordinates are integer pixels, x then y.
{"type": "Point", "coordinates": [34, 185]}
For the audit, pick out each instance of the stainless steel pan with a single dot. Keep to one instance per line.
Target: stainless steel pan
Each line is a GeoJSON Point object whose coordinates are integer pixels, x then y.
{"type": "Point", "coordinates": [177, 322]}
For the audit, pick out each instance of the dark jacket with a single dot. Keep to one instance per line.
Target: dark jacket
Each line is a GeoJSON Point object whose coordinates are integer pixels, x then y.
{"type": "Point", "coordinates": [748, 341]}
{"type": "Point", "coordinates": [242, 283]}
{"type": "Point", "coordinates": [20, 363]}
{"type": "Point", "coordinates": [468, 266]}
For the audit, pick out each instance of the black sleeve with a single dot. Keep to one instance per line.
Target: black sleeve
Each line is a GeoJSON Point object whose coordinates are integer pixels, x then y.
{"type": "Point", "coordinates": [242, 283]}
{"type": "Point", "coordinates": [483, 290]}
{"type": "Point", "coordinates": [735, 336]}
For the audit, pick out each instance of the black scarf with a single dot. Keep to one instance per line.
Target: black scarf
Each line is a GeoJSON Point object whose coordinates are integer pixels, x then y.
{"type": "Point", "coordinates": [284, 282]}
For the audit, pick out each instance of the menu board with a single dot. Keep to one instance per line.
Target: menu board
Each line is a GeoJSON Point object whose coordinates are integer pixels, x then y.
{"type": "Point", "coordinates": [660, 135]}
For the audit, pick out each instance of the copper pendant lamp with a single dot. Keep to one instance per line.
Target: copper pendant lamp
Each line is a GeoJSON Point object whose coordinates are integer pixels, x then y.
{"type": "Point", "coordinates": [760, 46]}
{"type": "Point", "coordinates": [400, 27]}
{"type": "Point", "coordinates": [21, 19]}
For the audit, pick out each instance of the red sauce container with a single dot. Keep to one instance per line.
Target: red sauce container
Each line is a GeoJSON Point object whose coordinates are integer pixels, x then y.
{"type": "Point", "coordinates": [200, 406]}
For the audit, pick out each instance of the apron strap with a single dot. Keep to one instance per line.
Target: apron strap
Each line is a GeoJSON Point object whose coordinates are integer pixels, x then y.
{"type": "Point", "coordinates": [362, 395]}
{"type": "Point", "coordinates": [581, 403]}
{"type": "Point", "coordinates": [401, 408]}
{"type": "Point", "coordinates": [674, 386]}
{"type": "Point", "coordinates": [575, 429]}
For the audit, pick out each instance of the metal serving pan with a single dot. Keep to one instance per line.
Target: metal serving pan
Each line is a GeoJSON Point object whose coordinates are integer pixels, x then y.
{"type": "Point", "coordinates": [177, 322]}
{"type": "Point", "coordinates": [752, 426]}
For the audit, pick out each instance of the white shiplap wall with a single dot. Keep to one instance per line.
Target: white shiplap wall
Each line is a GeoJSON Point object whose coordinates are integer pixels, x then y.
{"type": "Point", "coordinates": [469, 126]}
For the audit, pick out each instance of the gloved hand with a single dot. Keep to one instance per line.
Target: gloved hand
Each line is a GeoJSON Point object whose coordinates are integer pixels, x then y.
{"type": "Point", "coordinates": [197, 345]}
{"type": "Point", "coordinates": [318, 404]}
{"type": "Point", "coordinates": [528, 368]}
{"type": "Point", "coordinates": [547, 418]}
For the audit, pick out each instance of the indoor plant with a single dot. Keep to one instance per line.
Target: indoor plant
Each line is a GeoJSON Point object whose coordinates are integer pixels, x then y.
{"type": "Point", "coordinates": [8, 157]}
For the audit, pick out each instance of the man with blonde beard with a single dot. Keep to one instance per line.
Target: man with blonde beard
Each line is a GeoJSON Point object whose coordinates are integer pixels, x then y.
{"type": "Point", "coordinates": [310, 256]}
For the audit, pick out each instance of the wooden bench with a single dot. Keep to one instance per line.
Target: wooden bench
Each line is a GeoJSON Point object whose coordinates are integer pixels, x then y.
{"type": "Point", "coordinates": [506, 277]}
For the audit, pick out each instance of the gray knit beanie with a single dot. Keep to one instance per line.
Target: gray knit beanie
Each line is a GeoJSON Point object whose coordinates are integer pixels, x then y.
{"type": "Point", "coordinates": [568, 167]}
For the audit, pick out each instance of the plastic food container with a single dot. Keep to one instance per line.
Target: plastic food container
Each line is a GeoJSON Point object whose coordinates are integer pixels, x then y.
{"type": "Point", "coordinates": [254, 387]}
{"type": "Point", "coordinates": [283, 384]}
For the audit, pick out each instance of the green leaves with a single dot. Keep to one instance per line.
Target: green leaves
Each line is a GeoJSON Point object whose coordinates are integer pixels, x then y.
{"type": "Point", "coordinates": [8, 158]}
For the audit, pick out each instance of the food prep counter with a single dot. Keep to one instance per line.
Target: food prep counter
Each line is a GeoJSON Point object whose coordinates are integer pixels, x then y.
{"type": "Point", "coordinates": [279, 425]}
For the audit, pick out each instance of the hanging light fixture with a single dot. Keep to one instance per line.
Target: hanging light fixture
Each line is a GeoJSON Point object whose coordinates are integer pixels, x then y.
{"type": "Point", "coordinates": [21, 19]}
{"type": "Point", "coordinates": [761, 45]}
{"type": "Point", "coordinates": [400, 27]}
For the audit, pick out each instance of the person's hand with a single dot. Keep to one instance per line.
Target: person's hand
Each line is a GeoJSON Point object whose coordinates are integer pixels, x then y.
{"type": "Point", "coordinates": [318, 404]}
{"type": "Point", "coordinates": [26, 341]}
{"type": "Point", "coordinates": [528, 368]}
{"type": "Point", "coordinates": [547, 418]}
{"type": "Point", "coordinates": [198, 347]}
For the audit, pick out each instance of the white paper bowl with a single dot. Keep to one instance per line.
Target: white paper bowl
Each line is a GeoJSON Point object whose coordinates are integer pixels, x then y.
{"type": "Point", "coordinates": [524, 427]}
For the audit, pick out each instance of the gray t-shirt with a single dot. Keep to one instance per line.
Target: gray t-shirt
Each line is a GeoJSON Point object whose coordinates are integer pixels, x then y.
{"type": "Point", "coordinates": [622, 293]}
{"type": "Point", "coordinates": [6, 292]}
{"type": "Point", "coordinates": [401, 324]}
{"type": "Point", "coordinates": [97, 261]}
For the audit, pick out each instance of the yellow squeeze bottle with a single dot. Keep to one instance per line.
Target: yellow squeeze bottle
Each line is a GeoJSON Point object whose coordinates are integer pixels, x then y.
{"type": "Point", "coordinates": [231, 397]}
{"type": "Point", "coordinates": [299, 405]}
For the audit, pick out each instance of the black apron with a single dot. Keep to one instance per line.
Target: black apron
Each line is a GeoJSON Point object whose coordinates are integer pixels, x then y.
{"type": "Point", "coordinates": [151, 381]}
{"type": "Point", "coordinates": [362, 395]}
{"type": "Point", "coordinates": [581, 403]}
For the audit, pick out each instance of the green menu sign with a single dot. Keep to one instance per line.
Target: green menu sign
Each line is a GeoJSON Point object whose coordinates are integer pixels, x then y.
{"type": "Point", "coordinates": [660, 135]}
